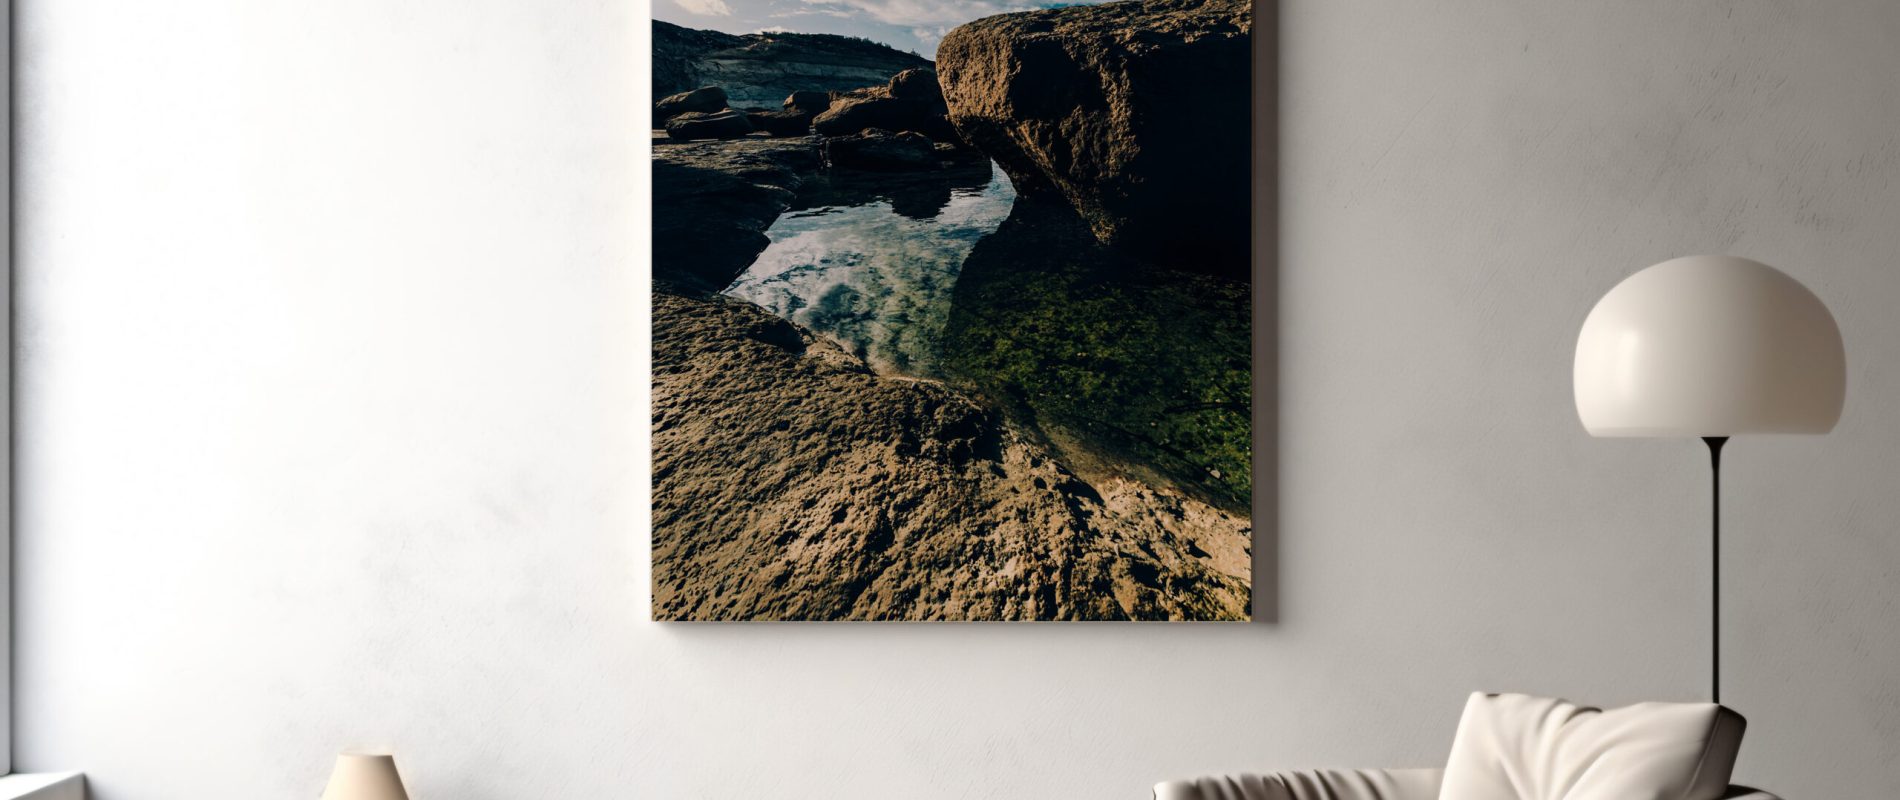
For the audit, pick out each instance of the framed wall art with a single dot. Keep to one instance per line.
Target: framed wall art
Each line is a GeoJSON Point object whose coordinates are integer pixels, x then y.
{"type": "Point", "coordinates": [951, 316]}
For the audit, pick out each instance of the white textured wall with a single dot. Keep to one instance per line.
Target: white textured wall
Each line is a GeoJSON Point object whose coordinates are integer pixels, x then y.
{"type": "Point", "coordinates": [330, 418]}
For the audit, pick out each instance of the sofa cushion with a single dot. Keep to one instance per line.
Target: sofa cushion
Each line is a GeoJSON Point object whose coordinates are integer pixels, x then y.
{"type": "Point", "coordinates": [1518, 747]}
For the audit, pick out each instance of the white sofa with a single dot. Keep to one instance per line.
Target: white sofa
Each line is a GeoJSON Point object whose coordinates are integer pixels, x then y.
{"type": "Point", "coordinates": [1337, 784]}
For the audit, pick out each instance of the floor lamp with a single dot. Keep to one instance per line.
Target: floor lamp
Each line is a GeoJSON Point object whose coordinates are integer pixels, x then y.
{"type": "Point", "coordinates": [1710, 347]}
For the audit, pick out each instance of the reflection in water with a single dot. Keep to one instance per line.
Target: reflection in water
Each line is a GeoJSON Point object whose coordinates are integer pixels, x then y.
{"type": "Point", "coordinates": [872, 260]}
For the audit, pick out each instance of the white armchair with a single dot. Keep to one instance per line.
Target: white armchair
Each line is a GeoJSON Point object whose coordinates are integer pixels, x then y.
{"type": "Point", "coordinates": [1338, 784]}
{"type": "Point", "coordinates": [1520, 747]}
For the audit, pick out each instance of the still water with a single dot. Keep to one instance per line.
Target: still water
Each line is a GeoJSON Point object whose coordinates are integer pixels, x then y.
{"type": "Point", "coordinates": [872, 265]}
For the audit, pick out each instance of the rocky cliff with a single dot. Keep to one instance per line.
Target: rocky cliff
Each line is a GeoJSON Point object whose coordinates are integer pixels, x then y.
{"type": "Point", "coordinates": [1137, 114]}
{"type": "Point", "coordinates": [760, 70]}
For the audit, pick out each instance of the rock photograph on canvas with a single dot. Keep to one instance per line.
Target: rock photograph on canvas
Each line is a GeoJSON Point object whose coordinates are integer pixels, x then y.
{"type": "Point", "coordinates": [951, 316]}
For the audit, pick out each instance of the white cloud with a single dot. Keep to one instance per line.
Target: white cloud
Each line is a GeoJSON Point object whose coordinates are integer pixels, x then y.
{"type": "Point", "coordinates": [706, 8]}
{"type": "Point", "coordinates": [809, 10]}
{"type": "Point", "coordinates": [930, 35]}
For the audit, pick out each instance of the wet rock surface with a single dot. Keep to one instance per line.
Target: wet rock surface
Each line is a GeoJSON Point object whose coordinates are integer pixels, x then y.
{"type": "Point", "coordinates": [1136, 114]}
{"type": "Point", "coordinates": [793, 483]}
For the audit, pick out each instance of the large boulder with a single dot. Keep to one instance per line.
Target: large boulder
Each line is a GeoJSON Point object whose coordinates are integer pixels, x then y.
{"type": "Point", "coordinates": [911, 101]}
{"type": "Point", "coordinates": [705, 100]}
{"type": "Point", "coordinates": [1137, 114]}
{"type": "Point", "coordinates": [881, 151]}
{"type": "Point", "coordinates": [780, 123]}
{"type": "Point", "coordinates": [691, 125]}
{"type": "Point", "coordinates": [808, 103]}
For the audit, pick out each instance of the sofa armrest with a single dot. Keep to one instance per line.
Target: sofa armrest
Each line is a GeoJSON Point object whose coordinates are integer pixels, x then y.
{"type": "Point", "coordinates": [1324, 784]}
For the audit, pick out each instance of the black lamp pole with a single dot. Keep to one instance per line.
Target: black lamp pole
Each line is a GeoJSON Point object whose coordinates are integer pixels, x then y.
{"type": "Point", "coordinates": [1715, 577]}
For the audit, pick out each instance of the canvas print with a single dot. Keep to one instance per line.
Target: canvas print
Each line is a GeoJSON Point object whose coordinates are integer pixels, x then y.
{"type": "Point", "coordinates": [951, 310]}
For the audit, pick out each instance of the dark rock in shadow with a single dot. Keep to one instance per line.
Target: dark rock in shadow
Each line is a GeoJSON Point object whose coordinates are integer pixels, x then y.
{"type": "Point", "coordinates": [880, 151]}
{"type": "Point", "coordinates": [707, 225]}
{"type": "Point", "coordinates": [713, 201]}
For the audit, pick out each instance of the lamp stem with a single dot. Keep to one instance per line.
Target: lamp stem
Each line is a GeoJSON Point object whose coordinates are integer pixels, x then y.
{"type": "Point", "coordinates": [1715, 573]}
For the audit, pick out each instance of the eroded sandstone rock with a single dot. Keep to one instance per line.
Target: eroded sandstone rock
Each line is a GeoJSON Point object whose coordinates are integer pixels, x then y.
{"type": "Point", "coordinates": [792, 483]}
{"type": "Point", "coordinates": [1137, 114]}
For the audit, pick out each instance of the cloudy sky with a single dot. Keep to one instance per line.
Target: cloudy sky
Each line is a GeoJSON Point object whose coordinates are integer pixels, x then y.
{"type": "Point", "coordinates": [915, 25]}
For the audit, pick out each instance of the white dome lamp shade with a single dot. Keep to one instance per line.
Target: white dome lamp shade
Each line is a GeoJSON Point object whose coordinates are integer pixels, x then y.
{"type": "Point", "coordinates": [1710, 347]}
